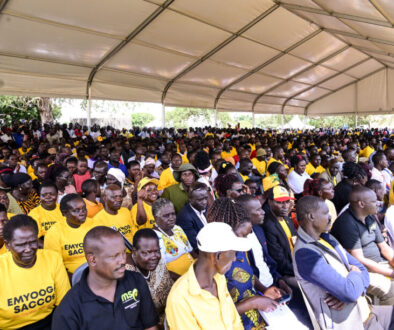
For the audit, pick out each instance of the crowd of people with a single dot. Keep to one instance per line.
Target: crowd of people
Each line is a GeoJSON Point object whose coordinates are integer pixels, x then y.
{"type": "Point", "coordinates": [199, 228]}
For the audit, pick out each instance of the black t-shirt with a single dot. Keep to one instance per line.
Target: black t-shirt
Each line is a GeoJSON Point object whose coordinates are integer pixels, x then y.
{"type": "Point", "coordinates": [341, 195]}
{"type": "Point", "coordinates": [353, 234]}
{"type": "Point", "coordinates": [132, 308]}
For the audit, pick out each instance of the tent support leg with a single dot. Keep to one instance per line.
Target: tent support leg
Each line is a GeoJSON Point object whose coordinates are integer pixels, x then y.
{"type": "Point", "coordinates": [216, 118]}
{"type": "Point", "coordinates": [356, 120]}
{"type": "Point", "coordinates": [282, 119]}
{"type": "Point", "coordinates": [163, 115]}
{"type": "Point", "coordinates": [89, 121]}
{"type": "Point", "coordinates": [253, 120]}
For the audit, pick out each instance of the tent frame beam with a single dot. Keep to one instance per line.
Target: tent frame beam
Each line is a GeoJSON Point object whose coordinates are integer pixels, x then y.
{"type": "Point", "coordinates": [344, 86]}
{"type": "Point", "coordinates": [266, 63]}
{"type": "Point", "coordinates": [124, 42]}
{"type": "Point", "coordinates": [216, 49]}
{"type": "Point", "coordinates": [322, 82]}
{"type": "Point", "coordinates": [381, 11]}
{"type": "Point", "coordinates": [314, 65]}
{"type": "Point", "coordinates": [333, 14]}
{"type": "Point", "coordinates": [3, 3]}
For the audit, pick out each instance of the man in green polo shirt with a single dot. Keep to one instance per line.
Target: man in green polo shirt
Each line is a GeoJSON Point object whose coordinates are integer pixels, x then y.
{"type": "Point", "coordinates": [186, 175]}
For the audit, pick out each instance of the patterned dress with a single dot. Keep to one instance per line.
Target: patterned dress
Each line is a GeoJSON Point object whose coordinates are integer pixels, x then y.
{"type": "Point", "coordinates": [240, 284]}
{"type": "Point", "coordinates": [159, 284]}
{"type": "Point", "coordinates": [175, 250]}
{"type": "Point", "coordinates": [32, 201]}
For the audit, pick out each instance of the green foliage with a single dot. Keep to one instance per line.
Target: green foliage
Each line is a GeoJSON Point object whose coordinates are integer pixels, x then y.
{"type": "Point", "coordinates": [141, 119]}
{"type": "Point", "coordinates": [338, 121]}
{"type": "Point", "coordinates": [14, 108]}
{"type": "Point", "coordinates": [186, 117]}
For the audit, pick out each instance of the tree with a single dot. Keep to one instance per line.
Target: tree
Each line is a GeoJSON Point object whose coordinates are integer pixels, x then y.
{"type": "Point", "coordinates": [141, 119]}
{"type": "Point", "coordinates": [187, 117]}
{"type": "Point", "coordinates": [15, 108]}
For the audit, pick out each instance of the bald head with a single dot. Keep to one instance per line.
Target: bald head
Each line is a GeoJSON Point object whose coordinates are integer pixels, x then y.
{"type": "Point", "coordinates": [359, 193]}
{"type": "Point", "coordinates": [363, 200]}
{"type": "Point", "coordinates": [94, 241]}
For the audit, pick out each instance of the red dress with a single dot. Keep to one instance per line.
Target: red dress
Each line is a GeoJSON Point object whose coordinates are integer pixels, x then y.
{"type": "Point", "coordinates": [79, 179]}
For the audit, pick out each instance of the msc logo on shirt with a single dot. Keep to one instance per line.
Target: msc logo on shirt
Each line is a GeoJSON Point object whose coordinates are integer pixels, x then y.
{"type": "Point", "coordinates": [127, 296]}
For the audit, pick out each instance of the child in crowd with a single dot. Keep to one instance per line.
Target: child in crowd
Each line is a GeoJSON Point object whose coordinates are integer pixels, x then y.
{"type": "Point", "coordinates": [82, 174]}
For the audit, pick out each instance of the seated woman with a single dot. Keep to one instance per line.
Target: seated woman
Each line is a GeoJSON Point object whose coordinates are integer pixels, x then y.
{"type": "Point", "coordinates": [323, 189]}
{"type": "Point", "coordinates": [48, 212]}
{"type": "Point", "coordinates": [66, 237]}
{"type": "Point", "coordinates": [141, 213]}
{"type": "Point", "coordinates": [248, 293]}
{"type": "Point", "coordinates": [23, 198]}
{"type": "Point", "coordinates": [174, 246]}
{"type": "Point", "coordinates": [91, 192]}
{"type": "Point", "coordinates": [33, 281]}
{"type": "Point", "coordinates": [298, 176]}
{"type": "Point", "coordinates": [146, 259]}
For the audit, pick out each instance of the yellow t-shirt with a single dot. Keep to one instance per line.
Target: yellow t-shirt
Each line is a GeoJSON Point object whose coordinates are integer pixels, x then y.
{"type": "Point", "coordinates": [185, 160]}
{"type": "Point", "coordinates": [122, 221]}
{"type": "Point", "coordinates": [166, 179]}
{"type": "Point", "coordinates": [28, 295]}
{"type": "Point", "coordinates": [30, 171]}
{"type": "Point", "coordinates": [310, 169]}
{"type": "Point", "coordinates": [68, 242]}
{"type": "Point", "coordinates": [331, 210]}
{"type": "Point", "coordinates": [366, 152]}
{"type": "Point", "coordinates": [261, 166]}
{"type": "Point", "coordinates": [46, 219]}
{"type": "Point", "coordinates": [3, 249]}
{"type": "Point", "coordinates": [149, 215]}
{"type": "Point", "coordinates": [287, 232]}
{"type": "Point", "coordinates": [244, 177]}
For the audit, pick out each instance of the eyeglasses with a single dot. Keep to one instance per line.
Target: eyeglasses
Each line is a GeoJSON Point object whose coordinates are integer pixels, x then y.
{"type": "Point", "coordinates": [238, 190]}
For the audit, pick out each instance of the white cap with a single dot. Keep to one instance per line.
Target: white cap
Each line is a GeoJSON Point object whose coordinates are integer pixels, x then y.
{"type": "Point", "coordinates": [219, 237]}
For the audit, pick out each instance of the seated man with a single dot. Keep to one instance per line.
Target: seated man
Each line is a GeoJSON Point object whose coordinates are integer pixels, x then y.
{"type": "Point", "coordinates": [334, 283]}
{"type": "Point", "coordinates": [356, 229]}
{"type": "Point", "coordinates": [200, 299]}
{"type": "Point", "coordinates": [113, 215]}
{"type": "Point", "coordinates": [280, 231]}
{"type": "Point", "coordinates": [192, 217]}
{"type": "Point", "coordinates": [107, 296]}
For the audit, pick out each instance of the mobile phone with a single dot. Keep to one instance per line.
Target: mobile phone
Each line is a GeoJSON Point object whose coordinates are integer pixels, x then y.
{"type": "Point", "coordinates": [284, 299]}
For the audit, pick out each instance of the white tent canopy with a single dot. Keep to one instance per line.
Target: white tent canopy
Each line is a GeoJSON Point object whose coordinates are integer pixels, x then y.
{"type": "Point", "coordinates": [313, 57]}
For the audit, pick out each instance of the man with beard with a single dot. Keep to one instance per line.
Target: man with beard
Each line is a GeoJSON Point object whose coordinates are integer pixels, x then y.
{"type": "Point", "coordinates": [107, 296]}
{"type": "Point", "coordinates": [186, 175]}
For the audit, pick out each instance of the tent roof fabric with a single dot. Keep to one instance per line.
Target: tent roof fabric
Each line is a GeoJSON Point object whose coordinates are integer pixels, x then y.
{"type": "Point", "coordinates": [312, 57]}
